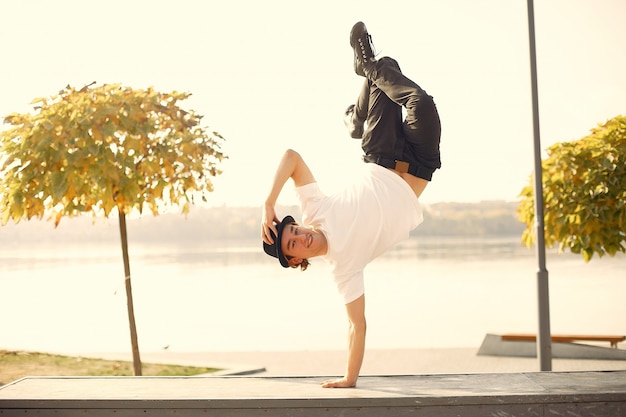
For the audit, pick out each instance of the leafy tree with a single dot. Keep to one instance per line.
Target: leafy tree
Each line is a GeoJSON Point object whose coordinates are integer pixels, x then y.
{"type": "Point", "coordinates": [585, 193]}
{"type": "Point", "coordinates": [104, 149]}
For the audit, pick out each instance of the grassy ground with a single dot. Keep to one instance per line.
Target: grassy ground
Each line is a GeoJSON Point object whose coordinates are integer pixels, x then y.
{"type": "Point", "coordinates": [15, 365]}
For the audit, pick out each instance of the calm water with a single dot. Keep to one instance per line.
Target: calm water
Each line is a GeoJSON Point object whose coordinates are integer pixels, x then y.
{"type": "Point", "coordinates": [425, 293]}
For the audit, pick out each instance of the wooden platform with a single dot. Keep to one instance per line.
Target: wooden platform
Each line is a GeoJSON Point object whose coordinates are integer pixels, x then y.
{"type": "Point", "coordinates": [505, 345]}
{"type": "Point", "coordinates": [600, 394]}
{"type": "Point", "coordinates": [568, 338]}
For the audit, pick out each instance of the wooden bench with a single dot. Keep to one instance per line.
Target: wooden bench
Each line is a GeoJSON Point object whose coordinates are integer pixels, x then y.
{"type": "Point", "coordinates": [568, 338]}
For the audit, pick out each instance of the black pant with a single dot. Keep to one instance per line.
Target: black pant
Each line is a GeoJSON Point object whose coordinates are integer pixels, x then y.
{"type": "Point", "coordinates": [389, 138]}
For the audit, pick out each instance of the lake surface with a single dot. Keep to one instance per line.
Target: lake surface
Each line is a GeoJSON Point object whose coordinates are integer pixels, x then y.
{"type": "Point", "coordinates": [426, 293]}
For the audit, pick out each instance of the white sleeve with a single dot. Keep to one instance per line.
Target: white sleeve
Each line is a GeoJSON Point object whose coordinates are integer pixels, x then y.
{"type": "Point", "coordinates": [350, 287]}
{"type": "Point", "coordinates": [310, 197]}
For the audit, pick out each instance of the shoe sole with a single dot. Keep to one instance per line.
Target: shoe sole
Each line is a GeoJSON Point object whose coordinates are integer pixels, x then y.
{"type": "Point", "coordinates": [359, 27]}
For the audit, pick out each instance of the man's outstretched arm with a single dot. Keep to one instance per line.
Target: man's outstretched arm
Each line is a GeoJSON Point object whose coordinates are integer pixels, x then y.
{"type": "Point", "coordinates": [356, 347]}
{"type": "Point", "coordinates": [291, 166]}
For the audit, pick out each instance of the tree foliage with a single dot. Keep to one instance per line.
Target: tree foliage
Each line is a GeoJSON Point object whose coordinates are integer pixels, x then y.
{"type": "Point", "coordinates": [100, 148]}
{"type": "Point", "coordinates": [584, 185]}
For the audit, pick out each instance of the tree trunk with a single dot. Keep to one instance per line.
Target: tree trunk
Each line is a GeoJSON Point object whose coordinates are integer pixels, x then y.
{"type": "Point", "coordinates": [129, 296]}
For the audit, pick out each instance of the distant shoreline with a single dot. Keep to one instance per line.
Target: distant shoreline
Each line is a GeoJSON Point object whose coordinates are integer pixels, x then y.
{"type": "Point", "coordinates": [492, 218]}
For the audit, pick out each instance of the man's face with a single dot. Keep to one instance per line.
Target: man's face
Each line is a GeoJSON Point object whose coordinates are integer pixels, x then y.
{"type": "Point", "coordinates": [301, 242]}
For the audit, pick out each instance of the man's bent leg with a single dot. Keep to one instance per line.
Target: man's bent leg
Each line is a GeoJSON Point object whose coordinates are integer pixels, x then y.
{"type": "Point", "coordinates": [383, 136]}
{"type": "Point", "coordinates": [421, 127]}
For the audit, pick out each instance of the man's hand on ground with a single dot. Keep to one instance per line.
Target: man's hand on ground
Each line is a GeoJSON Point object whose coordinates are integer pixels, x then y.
{"type": "Point", "coordinates": [338, 383]}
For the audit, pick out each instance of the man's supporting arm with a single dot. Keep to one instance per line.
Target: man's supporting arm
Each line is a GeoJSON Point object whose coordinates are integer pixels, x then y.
{"type": "Point", "coordinates": [356, 345]}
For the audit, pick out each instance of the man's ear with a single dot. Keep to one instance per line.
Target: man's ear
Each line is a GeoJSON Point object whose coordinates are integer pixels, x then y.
{"type": "Point", "coordinates": [295, 262]}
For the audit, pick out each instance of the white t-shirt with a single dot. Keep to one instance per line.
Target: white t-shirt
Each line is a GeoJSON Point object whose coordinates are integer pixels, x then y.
{"type": "Point", "coordinates": [361, 222]}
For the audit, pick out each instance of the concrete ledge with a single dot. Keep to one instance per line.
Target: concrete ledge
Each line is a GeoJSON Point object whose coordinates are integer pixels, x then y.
{"type": "Point", "coordinates": [524, 394]}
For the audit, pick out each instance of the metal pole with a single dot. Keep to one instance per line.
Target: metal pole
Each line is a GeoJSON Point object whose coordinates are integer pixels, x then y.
{"type": "Point", "coordinates": [544, 342]}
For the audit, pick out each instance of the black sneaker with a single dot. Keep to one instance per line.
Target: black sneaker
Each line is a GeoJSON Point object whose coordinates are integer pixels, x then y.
{"type": "Point", "coordinates": [361, 43]}
{"type": "Point", "coordinates": [354, 129]}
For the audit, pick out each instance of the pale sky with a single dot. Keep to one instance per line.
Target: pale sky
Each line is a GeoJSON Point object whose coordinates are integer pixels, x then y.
{"type": "Point", "coordinates": [269, 75]}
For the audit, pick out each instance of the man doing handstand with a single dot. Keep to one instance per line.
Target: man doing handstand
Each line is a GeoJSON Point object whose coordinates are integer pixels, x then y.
{"type": "Point", "coordinates": [351, 228]}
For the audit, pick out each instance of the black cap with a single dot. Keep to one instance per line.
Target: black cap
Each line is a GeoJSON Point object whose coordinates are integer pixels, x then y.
{"type": "Point", "coordinates": [275, 249]}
